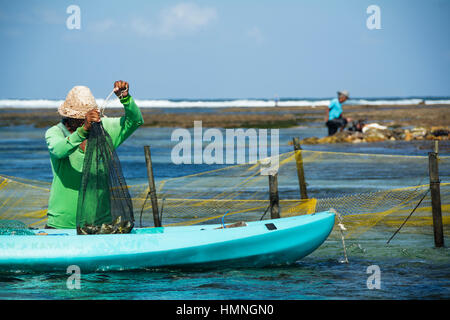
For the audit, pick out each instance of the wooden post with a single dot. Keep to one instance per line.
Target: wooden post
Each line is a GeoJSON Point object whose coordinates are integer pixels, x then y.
{"type": "Point", "coordinates": [300, 170]}
{"type": "Point", "coordinates": [151, 186]}
{"type": "Point", "coordinates": [436, 199]}
{"type": "Point", "coordinates": [274, 198]}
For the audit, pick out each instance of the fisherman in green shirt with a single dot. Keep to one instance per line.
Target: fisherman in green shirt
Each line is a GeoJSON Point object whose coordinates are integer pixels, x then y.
{"type": "Point", "coordinates": [66, 143]}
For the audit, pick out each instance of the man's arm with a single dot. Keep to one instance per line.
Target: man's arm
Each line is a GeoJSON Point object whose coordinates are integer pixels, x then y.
{"type": "Point", "coordinates": [133, 116]}
{"type": "Point", "coordinates": [121, 128]}
{"type": "Point", "coordinates": [60, 146]}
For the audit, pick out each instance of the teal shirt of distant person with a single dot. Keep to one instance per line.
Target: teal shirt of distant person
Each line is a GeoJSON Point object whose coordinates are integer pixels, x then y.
{"type": "Point", "coordinates": [335, 109]}
{"type": "Point", "coordinates": [334, 119]}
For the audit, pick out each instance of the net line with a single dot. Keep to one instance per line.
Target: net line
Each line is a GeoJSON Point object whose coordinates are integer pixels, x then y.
{"type": "Point", "coordinates": [377, 194]}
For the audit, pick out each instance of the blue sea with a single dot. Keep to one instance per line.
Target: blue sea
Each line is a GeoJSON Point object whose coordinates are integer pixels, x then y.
{"type": "Point", "coordinates": [209, 105]}
{"type": "Point", "coordinates": [410, 267]}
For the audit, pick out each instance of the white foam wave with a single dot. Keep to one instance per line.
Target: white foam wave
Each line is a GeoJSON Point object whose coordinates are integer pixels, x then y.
{"type": "Point", "coordinates": [36, 104]}
{"type": "Point", "coordinates": [437, 101]}
{"type": "Point", "coordinates": [9, 103]}
{"type": "Point", "coordinates": [385, 102]}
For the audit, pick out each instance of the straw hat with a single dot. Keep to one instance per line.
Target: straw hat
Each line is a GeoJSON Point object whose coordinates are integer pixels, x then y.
{"type": "Point", "coordinates": [344, 93]}
{"type": "Point", "coordinates": [78, 102]}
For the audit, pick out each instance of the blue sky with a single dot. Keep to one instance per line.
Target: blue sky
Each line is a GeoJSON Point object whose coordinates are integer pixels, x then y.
{"type": "Point", "coordinates": [226, 49]}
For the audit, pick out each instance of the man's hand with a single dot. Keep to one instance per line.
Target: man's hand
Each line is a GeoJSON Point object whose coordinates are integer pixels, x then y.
{"type": "Point", "coordinates": [121, 89]}
{"type": "Point", "coordinates": [91, 116]}
{"type": "Point", "coordinates": [327, 116]}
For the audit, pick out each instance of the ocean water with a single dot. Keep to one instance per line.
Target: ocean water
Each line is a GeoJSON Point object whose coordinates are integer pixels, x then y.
{"type": "Point", "coordinates": [410, 267]}
{"type": "Point", "coordinates": [226, 103]}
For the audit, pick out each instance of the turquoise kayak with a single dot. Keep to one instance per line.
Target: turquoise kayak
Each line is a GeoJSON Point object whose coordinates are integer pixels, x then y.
{"type": "Point", "coordinates": [253, 244]}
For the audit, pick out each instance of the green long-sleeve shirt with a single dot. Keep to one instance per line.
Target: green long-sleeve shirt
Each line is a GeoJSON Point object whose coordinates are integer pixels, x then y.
{"type": "Point", "coordinates": [67, 161]}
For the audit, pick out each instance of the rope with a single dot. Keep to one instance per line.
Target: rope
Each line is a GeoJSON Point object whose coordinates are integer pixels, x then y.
{"type": "Point", "coordinates": [103, 106]}
{"type": "Point", "coordinates": [223, 219]}
{"type": "Point", "coordinates": [342, 229]}
{"type": "Point", "coordinates": [407, 217]}
{"type": "Point", "coordinates": [142, 210]}
{"type": "Point", "coordinates": [162, 209]}
{"type": "Point", "coordinates": [264, 213]}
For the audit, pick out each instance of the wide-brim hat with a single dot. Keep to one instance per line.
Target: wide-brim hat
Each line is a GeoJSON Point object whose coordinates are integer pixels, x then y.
{"type": "Point", "coordinates": [344, 93]}
{"type": "Point", "coordinates": [78, 102]}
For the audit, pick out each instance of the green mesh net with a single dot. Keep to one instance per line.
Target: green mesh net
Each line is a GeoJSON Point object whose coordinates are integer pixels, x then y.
{"type": "Point", "coordinates": [104, 202]}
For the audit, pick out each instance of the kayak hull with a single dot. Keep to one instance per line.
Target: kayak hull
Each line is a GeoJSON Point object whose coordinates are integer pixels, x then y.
{"type": "Point", "coordinates": [259, 243]}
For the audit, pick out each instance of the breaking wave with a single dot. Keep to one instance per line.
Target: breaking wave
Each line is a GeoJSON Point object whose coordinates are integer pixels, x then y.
{"type": "Point", "coordinates": [36, 104]}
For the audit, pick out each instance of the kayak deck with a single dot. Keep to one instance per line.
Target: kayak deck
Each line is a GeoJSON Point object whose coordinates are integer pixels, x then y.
{"type": "Point", "coordinates": [258, 243]}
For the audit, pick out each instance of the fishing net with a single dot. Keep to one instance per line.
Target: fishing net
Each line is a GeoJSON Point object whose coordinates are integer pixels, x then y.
{"type": "Point", "coordinates": [370, 191]}
{"type": "Point", "coordinates": [104, 202]}
{"type": "Point", "coordinates": [367, 190]}
{"type": "Point", "coordinates": [24, 199]}
{"type": "Point", "coordinates": [14, 228]}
